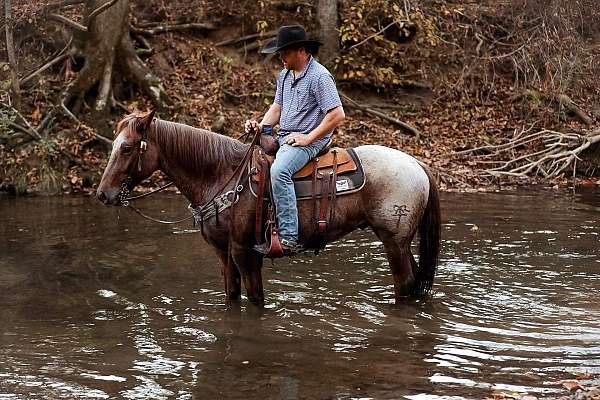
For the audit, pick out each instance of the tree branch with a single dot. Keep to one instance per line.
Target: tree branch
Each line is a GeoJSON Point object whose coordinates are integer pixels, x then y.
{"type": "Point", "coordinates": [290, 5]}
{"type": "Point", "coordinates": [68, 22]}
{"type": "Point", "coordinates": [44, 67]}
{"type": "Point", "coordinates": [562, 100]}
{"type": "Point", "coordinates": [260, 35]}
{"type": "Point", "coordinates": [556, 151]}
{"type": "Point", "coordinates": [34, 134]}
{"type": "Point", "coordinates": [405, 126]}
{"type": "Point", "coordinates": [565, 101]}
{"type": "Point", "coordinates": [171, 28]}
{"type": "Point", "coordinates": [62, 4]}
{"type": "Point", "coordinates": [32, 131]}
{"type": "Point", "coordinates": [372, 36]}
{"type": "Point", "coordinates": [23, 129]}
{"type": "Point", "coordinates": [69, 114]}
{"type": "Point", "coordinates": [99, 10]}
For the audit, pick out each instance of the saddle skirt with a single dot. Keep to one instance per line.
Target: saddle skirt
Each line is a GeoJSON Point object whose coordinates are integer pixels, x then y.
{"type": "Point", "coordinates": [350, 176]}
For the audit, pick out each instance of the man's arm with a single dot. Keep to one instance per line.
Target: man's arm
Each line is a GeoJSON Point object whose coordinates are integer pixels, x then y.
{"type": "Point", "coordinates": [272, 115]}
{"type": "Point", "coordinates": [332, 119]}
{"type": "Point", "coordinates": [271, 118]}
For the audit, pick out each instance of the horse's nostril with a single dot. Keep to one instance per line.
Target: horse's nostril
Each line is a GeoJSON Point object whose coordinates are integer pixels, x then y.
{"type": "Point", "coordinates": [101, 196]}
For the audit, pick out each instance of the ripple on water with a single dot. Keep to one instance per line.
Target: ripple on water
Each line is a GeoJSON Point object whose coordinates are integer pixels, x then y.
{"type": "Point", "coordinates": [513, 310]}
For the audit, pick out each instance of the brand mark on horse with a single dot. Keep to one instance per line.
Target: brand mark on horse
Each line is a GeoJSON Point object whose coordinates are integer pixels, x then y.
{"type": "Point", "coordinates": [400, 211]}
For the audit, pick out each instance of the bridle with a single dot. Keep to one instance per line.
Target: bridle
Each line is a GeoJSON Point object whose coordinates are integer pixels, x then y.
{"type": "Point", "coordinates": [124, 195]}
{"type": "Point", "coordinates": [125, 185]}
{"type": "Point", "coordinates": [200, 214]}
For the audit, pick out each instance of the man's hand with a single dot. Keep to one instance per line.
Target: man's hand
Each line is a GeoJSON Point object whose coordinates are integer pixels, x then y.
{"type": "Point", "coordinates": [298, 139]}
{"type": "Point", "coordinates": [252, 126]}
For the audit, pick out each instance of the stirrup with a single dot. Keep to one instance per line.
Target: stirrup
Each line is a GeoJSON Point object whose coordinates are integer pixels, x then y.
{"type": "Point", "coordinates": [271, 249]}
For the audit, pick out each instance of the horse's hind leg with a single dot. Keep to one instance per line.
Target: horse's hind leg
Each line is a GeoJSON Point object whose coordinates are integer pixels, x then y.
{"type": "Point", "coordinates": [231, 276]}
{"type": "Point", "coordinates": [401, 263]}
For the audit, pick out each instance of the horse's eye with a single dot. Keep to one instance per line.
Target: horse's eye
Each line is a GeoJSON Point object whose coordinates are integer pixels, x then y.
{"type": "Point", "coordinates": [127, 150]}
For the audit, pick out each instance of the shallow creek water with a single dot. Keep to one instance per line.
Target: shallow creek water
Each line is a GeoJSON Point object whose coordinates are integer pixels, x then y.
{"type": "Point", "coordinates": [96, 302]}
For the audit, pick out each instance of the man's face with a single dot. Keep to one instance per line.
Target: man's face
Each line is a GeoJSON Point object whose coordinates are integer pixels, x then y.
{"type": "Point", "coordinates": [290, 58]}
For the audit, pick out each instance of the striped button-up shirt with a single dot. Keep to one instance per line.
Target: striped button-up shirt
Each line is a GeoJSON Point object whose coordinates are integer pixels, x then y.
{"type": "Point", "coordinates": [306, 100]}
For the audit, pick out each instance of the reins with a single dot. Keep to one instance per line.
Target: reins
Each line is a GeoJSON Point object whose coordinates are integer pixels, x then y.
{"type": "Point", "coordinates": [127, 204]}
{"type": "Point", "coordinates": [137, 210]}
{"type": "Point", "coordinates": [221, 201]}
{"type": "Point", "coordinates": [139, 196]}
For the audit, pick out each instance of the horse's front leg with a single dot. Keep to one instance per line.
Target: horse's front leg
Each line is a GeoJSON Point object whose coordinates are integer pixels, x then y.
{"type": "Point", "coordinates": [231, 276]}
{"type": "Point", "coordinates": [250, 263]}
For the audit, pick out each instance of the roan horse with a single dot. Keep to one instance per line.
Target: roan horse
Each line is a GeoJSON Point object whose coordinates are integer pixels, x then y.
{"type": "Point", "coordinates": [399, 198]}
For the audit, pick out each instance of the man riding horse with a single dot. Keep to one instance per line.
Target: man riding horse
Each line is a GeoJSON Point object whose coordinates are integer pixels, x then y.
{"type": "Point", "coordinates": [307, 108]}
{"type": "Point", "coordinates": [399, 198]}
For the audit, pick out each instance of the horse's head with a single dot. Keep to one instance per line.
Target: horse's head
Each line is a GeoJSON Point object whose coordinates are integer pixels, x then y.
{"type": "Point", "coordinates": [133, 158]}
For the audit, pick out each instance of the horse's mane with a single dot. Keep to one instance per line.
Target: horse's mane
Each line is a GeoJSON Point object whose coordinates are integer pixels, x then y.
{"type": "Point", "coordinates": [194, 149]}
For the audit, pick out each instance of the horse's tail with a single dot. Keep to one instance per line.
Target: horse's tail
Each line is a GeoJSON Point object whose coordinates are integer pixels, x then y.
{"type": "Point", "coordinates": [430, 240]}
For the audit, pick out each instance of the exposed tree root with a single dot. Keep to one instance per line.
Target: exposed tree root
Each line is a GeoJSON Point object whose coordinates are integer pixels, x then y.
{"type": "Point", "coordinates": [108, 47]}
{"type": "Point", "coordinates": [105, 84]}
{"type": "Point", "coordinates": [80, 124]}
{"type": "Point", "coordinates": [70, 23]}
{"type": "Point", "coordinates": [555, 153]}
{"type": "Point", "coordinates": [141, 74]}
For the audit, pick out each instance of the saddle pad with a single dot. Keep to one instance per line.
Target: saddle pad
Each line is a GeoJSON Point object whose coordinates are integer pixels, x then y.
{"type": "Point", "coordinates": [348, 181]}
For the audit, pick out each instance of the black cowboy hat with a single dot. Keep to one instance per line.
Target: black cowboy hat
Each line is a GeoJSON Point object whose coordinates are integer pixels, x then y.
{"type": "Point", "coordinates": [290, 35]}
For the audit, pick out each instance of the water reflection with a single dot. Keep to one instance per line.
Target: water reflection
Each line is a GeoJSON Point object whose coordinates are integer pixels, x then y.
{"type": "Point", "coordinates": [97, 303]}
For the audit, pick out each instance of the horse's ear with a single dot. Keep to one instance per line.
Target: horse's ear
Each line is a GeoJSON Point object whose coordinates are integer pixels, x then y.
{"type": "Point", "coordinates": [144, 121]}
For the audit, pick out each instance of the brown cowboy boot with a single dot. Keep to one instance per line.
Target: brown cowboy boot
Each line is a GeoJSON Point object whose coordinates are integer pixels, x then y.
{"type": "Point", "coordinates": [290, 249]}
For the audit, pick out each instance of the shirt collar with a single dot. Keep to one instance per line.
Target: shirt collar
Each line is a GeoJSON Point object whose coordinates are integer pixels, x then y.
{"type": "Point", "coordinates": [304, 70]}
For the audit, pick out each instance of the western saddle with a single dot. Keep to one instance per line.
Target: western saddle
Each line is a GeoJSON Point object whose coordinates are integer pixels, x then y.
{"type": "Point", "coordinates": [317, 181]}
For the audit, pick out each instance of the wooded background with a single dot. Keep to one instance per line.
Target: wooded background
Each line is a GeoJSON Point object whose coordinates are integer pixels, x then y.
{"type": "Point", "coordinates": [486, 92]}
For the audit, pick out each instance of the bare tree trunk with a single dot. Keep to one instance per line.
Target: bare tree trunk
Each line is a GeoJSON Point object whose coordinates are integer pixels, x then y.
{"type": "Point", "coordinates": [98, 48]}
{"type": "Point", "coordinates": [327, 21]}
{"type": "Point", "coordinates": [12, 59]}
{"type": "Point", "coordinates": [109, 53]}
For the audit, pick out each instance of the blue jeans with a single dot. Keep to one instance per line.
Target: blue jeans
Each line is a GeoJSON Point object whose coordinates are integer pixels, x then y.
{"type": "Point", "coordinates": [288, 161]}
